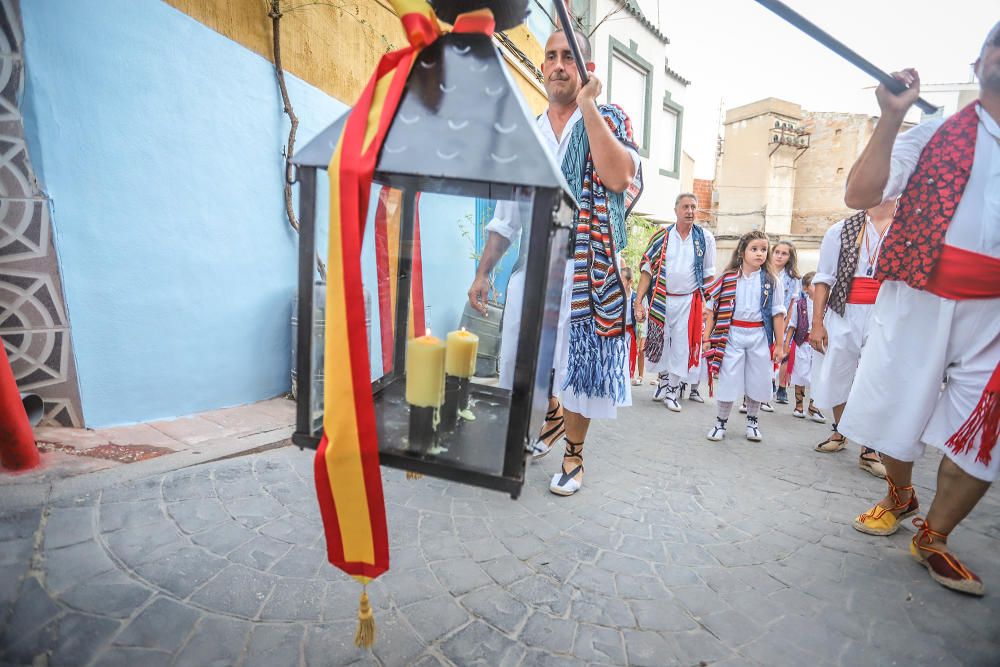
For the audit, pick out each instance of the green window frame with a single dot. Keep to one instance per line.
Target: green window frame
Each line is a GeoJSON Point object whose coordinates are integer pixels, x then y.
{"type": "Point", "coordinates": [678, 110]}
{"type": "Point", "coordinates": [630, 54]}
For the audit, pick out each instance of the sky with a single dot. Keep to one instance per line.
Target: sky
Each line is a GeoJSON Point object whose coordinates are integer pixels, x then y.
{"type": "Point", "coordinates": [736, 52]}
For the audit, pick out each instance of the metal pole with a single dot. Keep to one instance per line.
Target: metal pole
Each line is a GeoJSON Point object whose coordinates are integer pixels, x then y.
{"type": "Point", "coordinates": [841, 49]}
{"type": "Point", "coordinates": [570, 32]}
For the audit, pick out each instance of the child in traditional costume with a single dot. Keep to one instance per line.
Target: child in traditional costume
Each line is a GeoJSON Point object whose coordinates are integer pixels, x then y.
{"type": "Point", "coordinates": [747, 316]}
{"type": "Point", "coordinates": [784, 263]}
{"type": "Point", "coordinates": [797, 349]}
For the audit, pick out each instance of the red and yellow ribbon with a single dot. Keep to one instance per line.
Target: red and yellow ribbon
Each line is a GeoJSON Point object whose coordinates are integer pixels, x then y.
{"type": "Point", "coordinates": [348, 480]}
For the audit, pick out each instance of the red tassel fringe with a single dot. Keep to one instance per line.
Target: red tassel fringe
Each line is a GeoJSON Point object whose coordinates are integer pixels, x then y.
{"type": "Point", "coordinates": [984, 421]}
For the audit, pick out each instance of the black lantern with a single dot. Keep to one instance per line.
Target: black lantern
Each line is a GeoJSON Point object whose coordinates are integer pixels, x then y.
{"type": "Point", "coordinates": [462, 139]}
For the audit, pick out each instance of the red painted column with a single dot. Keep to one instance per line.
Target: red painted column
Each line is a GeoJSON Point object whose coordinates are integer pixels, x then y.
{"type": "Point", "coordinates": [17, 441]}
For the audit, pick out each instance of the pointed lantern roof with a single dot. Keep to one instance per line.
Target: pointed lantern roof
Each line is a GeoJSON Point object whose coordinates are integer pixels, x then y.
{"type": "Point", "coordinates": [461, 128]}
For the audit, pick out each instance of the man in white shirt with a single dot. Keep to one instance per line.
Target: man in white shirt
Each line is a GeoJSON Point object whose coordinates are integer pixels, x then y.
{"type": "Point", "coordinates": [678, 264]}
{"type": "Point", "coordinates": [617, 164]}
{"type": "Point", "coordinates": [936, 314]}
{"type": "Point", "coordinates": [845, 281]}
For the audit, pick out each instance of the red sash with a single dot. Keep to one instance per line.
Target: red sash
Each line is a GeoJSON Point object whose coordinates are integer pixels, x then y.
{"type": "Point", "coordinates": [695, 326]}
{"type": "Point", "coordinates": [960, 275]}
{"type": "Point", "coordinates": [747, 325]}
{"type": "Point", "coordinates": [963, 274]}
{"type": "Point", "coordinates": [863, 290]}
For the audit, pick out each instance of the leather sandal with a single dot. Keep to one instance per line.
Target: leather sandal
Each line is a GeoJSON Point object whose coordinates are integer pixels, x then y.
{"type": "Point", "coordinates": [567, 482]}
{"type": "Point", "coordinates": [881, 520]}
{"type": "Point", "coordinates": [943, 567]}
{"type": "Point", "coordinates": [553, 429]}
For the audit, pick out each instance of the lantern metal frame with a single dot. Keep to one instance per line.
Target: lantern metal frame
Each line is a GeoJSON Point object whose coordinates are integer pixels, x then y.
{"type": "Point", "coordinates": [549, 247]}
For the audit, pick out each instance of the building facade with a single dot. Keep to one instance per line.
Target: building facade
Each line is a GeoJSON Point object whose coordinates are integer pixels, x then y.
{"type": "Point", "coordinates": [147, 267]}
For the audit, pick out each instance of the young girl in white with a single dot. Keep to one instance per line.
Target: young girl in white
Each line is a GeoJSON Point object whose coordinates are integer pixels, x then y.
{"type": "Point", "coordinates": [784, 262]}
{"type": "Point", "coordinates": [800, 360]}
{"type": "Point", "coordinates": [747, 316]}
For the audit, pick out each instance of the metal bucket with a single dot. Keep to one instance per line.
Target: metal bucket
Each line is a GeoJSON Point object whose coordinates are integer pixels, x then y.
{"type": "Point", "coordinates": [319, 330]}
{"type": "Point", "coordinates": [488, 330]}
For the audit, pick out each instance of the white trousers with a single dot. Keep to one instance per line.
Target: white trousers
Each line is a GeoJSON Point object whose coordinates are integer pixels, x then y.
{"type": "Point", "coordinates": [746, 367]}
{"type": "Point", "coordinates": [802, 371]}
{"type": "Point", "coordinates": [847, 337]}
{"type": "Point", "coordinates": [600, 407]}
{"type": "Point", "coordinates": [917, 341]}
{"type": "Point", "coordinates": [675, 342]}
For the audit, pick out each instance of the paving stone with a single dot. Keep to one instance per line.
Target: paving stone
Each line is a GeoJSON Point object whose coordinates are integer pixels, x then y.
{"type": "Point", "coordinates": [252, 510]}
{"type": "Point", "coordinates": [343, 597]}
{"type": "Point", "coordinates": [181, 571]}
{"type": "Point", "coordinates": [186, 485]}
{"type": "Point", "coordinates": [506, 570]}
{"type": "Point", "coordinates": [67, 566]}
{"type": "Point", "coordinates": [643, 549]}
{"type": "Point", "coordinates": [272, 645]}
{"type": "Point", "coordinates": [598, 644]}
{"type": "Point", "coordinates": [497, 607]}
{"type": "Point", "coordinates": [333, 644]}
{"type": "Point", "coordinates": [304, 562]}
{"type": "Point", "coordinates": [442, 548]}
{"type": "Point", "coordinates": [294, 600]}
{"type": "Point", "coordinates": [164, 625]}
{"type": "Point", "coordinates": [539, 658]}
{"type": "Point", "coordinates": [129, 492]}
{"type": "Point", "coordinates": [22, 524]}
{"type": "Point", "coordinates": [261, 552]}
{"type": "Point", "coordinates": [471, 528]}
{"type": "Point", "coordinates": [115, 516]}
{"type": "Point", "coordinates": [639, 587]}
{"type": "Point", "coordinates": [17, 551]}
{"type": "Point", "coordinates": [436, 617]}
{"type": "Point", "coordinates": [524, 546]}
{"type": "Point", "coordinates": [217, 642]}
{"type": "Point", "coordinates": [139, 545]}
{"type": "Point", "coordinates": [236, 590]}
{"type": "Point", "coordinates": [109, 594]}
{"type": "Point", "coordinates": [68, 525]}
{"type": "Point", "coordinates": [224, 539]}
{"type": "Point", "coordinates": [397, 643]}
{"type": "Point", "coordinates": [292, 529]}
{"type": "Point", "coordinates": [661, 615]}
{"type": "Point", "coordinates": [120, 656]}
{"type": "Point", "coordinates": [460, 576]}
{"type": "Point", "coordinates": [196, 515]}
{"type": "Point", "coordinates": [588, 607]}
{"type": "Point", "coordinates": [689, 555]}
{"type": "Point", "coordinates": [485, 549]}
{"type": "Point", "coordinates": [80, 637]}
{"type": "Point", "coordinates": [699, 647]}
{"type": "Point", "coordinates": [700, 600]}
{"type": "Point", "coordinates": [675, 575]}
{"type": "Point", "coordinates": [549, 633]}
{"type": "Point", "coordinates": [592, 578]}
{"type": "Point", "coordinates": [411, 586]}
{"type": "Point", "coordinates": [477, 644]}
{"type": "Point", "coordinates": [648, 649]}
{"type": "Point", "coordinates": [733, 627]}
{"type": "Point", "coordinates": [538, 592]}
{"type": "Point", "coordinates": [32, 610]}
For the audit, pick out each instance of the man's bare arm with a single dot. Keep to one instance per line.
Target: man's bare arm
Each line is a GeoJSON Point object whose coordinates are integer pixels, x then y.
{"type": "Point", "coordinates": [479, 293]}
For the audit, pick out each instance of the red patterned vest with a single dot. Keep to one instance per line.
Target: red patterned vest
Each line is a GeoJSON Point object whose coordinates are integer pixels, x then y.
{"type": "Point", "coordinates": [914, 243]}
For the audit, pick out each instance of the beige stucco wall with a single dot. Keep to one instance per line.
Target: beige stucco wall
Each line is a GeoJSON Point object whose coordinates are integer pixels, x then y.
{"type": "Point", "coordinates": [836, 141]}
{"type": "Point", "coordinates": [335, 49]}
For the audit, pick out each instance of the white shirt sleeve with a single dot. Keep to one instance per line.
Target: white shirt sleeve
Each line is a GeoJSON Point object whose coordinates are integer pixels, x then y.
{"type": "Point", "coordinates": [829, 253]}
{"type": "Point", "coordinates": [778, 302]}
{"type": "Point", "coordinates": [646, 268]}
{"type": "Point", "coordinates": [632, 153]}
{"type": "Point", "coordinates": [710, 256]}
{"type": "Point", "coordinates": [793, 322]}
{"type": "Point", "coordinates": [506, 220]}
{"type": "Point", "coordinates": [905, 153]}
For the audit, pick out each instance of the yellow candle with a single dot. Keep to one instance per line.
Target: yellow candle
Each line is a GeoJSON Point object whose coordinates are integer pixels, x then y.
{"type": "Point", "coordinates": [460, 360]}
{"type": "Point", "coordinates": [425, 371]}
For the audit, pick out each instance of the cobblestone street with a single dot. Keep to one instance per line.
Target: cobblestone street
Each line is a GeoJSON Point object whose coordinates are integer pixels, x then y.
{"type": "Point", "coordinates": [676, 552]}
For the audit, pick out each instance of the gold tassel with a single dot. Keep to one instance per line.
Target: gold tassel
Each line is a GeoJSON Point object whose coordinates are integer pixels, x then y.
{"type": "Point", "coordinates": [365, 636]}
{"type": "Point", "coordinates": [413, 475]}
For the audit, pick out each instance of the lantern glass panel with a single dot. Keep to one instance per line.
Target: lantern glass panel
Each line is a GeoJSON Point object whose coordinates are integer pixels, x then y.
{"type": "Point", "coordinates": [449, 401]}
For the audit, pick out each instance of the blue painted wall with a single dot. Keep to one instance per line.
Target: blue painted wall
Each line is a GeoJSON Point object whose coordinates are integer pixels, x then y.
{"type": "Point", "coordinates": [159, 142]}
